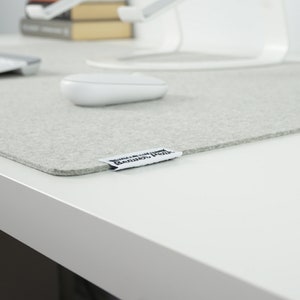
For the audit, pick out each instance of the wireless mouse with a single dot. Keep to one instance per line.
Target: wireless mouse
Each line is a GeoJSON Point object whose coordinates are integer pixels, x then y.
{"type": "Point", "coordinates": [99, 89]}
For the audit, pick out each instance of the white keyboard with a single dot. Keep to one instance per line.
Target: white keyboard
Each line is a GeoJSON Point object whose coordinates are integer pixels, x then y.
{"type": "Point", "coordinates": [24, 65]}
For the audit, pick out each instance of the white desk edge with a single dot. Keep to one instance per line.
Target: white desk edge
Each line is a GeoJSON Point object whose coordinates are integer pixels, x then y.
{"type": "Point", "coordinates": [222, 224]}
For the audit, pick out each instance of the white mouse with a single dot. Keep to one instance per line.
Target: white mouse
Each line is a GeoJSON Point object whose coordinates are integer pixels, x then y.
{"type": "Point", "coordinates": [98, 89]}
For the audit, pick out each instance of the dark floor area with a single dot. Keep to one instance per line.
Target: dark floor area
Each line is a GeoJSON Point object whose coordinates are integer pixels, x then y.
{"type": "Point", "coordinates": [27, 275]}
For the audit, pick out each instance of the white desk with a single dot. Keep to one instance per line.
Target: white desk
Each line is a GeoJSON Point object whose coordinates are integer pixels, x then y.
{"type": "Point", "coordinates": [217, 225]}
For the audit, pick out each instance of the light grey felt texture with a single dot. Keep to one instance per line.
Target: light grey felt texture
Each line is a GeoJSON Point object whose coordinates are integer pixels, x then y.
{"type": "Point", "coordinates": [203, 111]}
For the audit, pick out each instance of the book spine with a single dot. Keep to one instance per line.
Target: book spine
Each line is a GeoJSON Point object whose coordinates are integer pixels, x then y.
{"type": "Point", "coordinates": [58, 30]}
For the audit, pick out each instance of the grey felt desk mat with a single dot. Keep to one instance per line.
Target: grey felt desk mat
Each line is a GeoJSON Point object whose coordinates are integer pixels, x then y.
{"type": "Point", "coordinates": [203, 111]}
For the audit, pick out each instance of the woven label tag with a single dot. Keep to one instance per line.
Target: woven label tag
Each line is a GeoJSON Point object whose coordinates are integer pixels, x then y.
{"type": "Point", "coordinates": [141, 158]}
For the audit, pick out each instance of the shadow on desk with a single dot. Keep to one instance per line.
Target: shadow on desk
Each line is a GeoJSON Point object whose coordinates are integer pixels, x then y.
{"type": "Point", "coordinates": [27, 275]}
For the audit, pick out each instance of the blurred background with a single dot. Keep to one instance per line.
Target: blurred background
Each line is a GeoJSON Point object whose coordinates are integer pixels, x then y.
{"type": "Point", "coordinates": [198, 17]}
{"type": "Point", "coordinates": [10, 13]}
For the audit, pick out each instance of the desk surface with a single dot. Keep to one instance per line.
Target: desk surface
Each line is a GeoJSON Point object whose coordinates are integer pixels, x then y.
{"type": "Point", "coordinates": [218, 225]}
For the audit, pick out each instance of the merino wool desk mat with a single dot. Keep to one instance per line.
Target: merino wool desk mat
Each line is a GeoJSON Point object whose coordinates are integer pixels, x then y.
{"type": "Point", "coordinates": [203, 111]}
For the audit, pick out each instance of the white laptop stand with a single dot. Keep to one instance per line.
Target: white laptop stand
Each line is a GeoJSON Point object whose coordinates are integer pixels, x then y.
{"type": "Point", "coordinates": [274, 51]}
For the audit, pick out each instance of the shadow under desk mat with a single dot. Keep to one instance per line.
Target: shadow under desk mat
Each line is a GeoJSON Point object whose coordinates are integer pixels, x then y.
{"type": "Point", "coordinates": [203, 111]}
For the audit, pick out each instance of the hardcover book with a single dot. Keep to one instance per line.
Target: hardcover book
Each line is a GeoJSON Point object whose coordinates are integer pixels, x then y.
{"type": "Point", "coordinates": [71, 30]}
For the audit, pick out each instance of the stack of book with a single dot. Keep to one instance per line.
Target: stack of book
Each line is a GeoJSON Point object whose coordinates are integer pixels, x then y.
{"type": "Point", "coordinates": [92, 20]}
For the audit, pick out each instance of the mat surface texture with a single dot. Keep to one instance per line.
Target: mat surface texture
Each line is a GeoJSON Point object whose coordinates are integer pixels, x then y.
{"type": "Point", "coordinates": [203, 111]}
